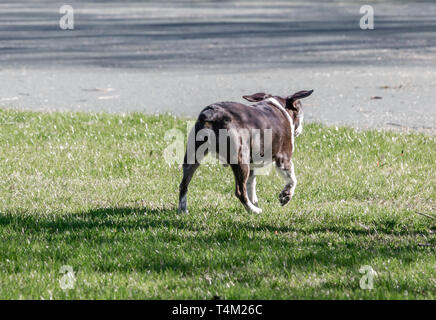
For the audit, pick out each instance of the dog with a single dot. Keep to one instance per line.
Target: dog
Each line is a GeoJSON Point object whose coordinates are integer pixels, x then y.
{"type": "Point", "coordinates": [276, 117]}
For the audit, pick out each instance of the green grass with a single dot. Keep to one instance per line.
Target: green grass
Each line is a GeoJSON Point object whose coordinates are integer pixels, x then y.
{"type": "Point", "coordinates": [92, 191]}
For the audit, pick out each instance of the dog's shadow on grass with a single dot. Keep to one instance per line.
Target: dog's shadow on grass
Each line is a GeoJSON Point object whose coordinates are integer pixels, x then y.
{"type": "Point", "coordinates": [185, 245]}
{"type": "Point", "coordinates": [127, 218]}
{"type": "Point", "coordinates": [140, 218]}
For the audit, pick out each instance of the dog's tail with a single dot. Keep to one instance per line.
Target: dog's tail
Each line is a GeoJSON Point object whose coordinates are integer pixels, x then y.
{"type": "Point", "coordinates": [213, 113]}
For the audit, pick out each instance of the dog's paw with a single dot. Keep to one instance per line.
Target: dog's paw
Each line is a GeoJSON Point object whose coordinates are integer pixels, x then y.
{"type": "Point", "coordinates": [284, 197]}
{"type": "Point", "coordinates": [252, 209]}
{"type": "Point", "coordinates": [256, 210]}
{"type": "Point", "coordinates": [182, 209]}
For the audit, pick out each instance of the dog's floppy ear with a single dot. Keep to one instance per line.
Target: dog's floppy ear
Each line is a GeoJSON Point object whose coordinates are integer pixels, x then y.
{"type": "Point", "coordinates": [257, 97]}
{"type": "Point", "coordinates": [291, 100]}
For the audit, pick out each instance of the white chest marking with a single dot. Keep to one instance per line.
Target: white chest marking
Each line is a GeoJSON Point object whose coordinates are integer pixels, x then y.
{"type": "Point", "coordinates": [291, 123]}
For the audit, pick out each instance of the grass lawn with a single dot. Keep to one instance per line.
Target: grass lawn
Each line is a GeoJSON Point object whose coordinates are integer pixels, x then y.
{"type": "Point", "coordinates": [92, 191]}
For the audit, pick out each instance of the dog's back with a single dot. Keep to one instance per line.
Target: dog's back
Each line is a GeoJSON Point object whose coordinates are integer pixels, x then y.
{"type": "Point", "coordinates": [226, 115]}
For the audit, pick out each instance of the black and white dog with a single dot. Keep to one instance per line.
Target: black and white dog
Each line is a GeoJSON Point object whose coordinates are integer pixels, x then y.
{"type": "Point", "coordinates": [281, 117]}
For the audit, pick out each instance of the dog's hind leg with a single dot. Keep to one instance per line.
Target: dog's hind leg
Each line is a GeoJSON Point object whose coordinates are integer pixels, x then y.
{"type": "Point", "coordinates": [286, 170]}
{"type": "Point", "coordinates": [242, 172]}
{"type": "Point", "coordinates": [191, 162]}
{"type": "Point", "coordinates": [188, 172]}
{"type": "Point", "coordinates": [251, 188]}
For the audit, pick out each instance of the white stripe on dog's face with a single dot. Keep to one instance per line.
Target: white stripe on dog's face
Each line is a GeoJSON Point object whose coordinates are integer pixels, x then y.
{"type": "Point", "coordinates": [299, 128]}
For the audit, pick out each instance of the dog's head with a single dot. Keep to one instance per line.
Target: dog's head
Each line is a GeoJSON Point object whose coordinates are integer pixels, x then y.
{"type": "Point", "coordinates": [291, 103]}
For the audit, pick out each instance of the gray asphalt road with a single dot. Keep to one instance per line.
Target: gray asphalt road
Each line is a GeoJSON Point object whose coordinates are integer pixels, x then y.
{"type": "Point", "coordinates": [179, 56]}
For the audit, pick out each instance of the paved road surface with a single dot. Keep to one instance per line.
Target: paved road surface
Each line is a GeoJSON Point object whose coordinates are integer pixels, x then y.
{"type": "Point", "coordinates": [155, 56]}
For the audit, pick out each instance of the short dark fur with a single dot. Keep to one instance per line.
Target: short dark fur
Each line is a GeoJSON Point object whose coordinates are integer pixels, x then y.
{"type": "Point", "coordinates": [262, 115]}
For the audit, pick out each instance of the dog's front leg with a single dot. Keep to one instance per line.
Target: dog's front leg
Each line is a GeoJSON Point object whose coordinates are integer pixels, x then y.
{"type": "Point", "coordinates": [251, 188]}
{"type": "Point", "coordinates": [286, 170]}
